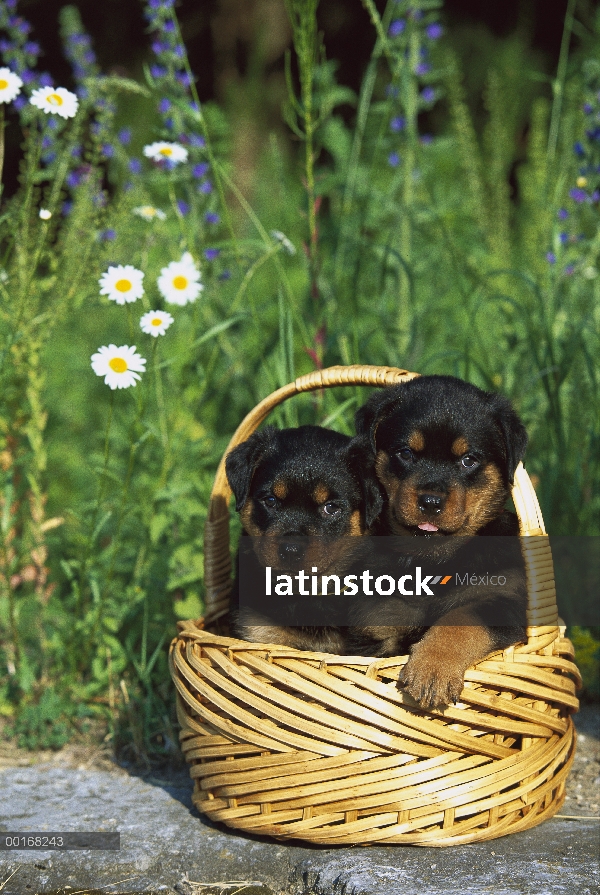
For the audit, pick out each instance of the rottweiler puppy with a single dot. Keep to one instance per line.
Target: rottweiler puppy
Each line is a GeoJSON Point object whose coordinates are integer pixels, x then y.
{"type": "Point", "coordinates": [300, 493]}
{"type": "Point", "coordinates": [445, 453]}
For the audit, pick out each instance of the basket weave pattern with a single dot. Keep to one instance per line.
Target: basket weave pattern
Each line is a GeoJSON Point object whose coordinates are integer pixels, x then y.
{"type": "Point", "coordinates": [327, 749]}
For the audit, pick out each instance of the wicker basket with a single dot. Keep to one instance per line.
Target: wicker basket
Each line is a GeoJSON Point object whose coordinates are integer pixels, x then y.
{"type": "Point", "coordinates": [327, 749]}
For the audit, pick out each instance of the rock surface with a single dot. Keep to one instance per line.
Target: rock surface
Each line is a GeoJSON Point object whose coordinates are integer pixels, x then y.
{"type": "Point", "coordinates": [167, 848]}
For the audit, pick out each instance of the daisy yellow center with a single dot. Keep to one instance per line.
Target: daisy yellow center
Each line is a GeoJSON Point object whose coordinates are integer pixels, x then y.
{"type": "Point", "coordinates": [156, 321]}
{"type": "Point", "coordinates": [180, 282]}
{"type": "Point", "coordinates": [3, 84]}
{"type": "Point", "coordinates": [118, 364]}
{"type": "Point", "coordinates": [123, 285]}
{"type": "Point", "coordinates": [55, 100]}
{"type": "Point", "coordinates": [166, 150]}
{"type": "Point", "coordinates": [147, 209]}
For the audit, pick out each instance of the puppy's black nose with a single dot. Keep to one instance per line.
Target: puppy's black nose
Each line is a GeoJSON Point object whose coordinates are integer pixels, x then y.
{"type": "Point", "coordinates": [431, 503]}
{"type": "Point", "coordinates": [291, 550]}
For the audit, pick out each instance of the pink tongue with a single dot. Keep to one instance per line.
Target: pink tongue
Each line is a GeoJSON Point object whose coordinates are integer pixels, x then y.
{"type": "Point", "coordinates": [427, 526]}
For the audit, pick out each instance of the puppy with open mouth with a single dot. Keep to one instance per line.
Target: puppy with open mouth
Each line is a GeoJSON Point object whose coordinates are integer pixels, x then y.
{"type": "Point", "coordinates": [445, 453]}
{"type": "Point", "coordinates": [306, 497]}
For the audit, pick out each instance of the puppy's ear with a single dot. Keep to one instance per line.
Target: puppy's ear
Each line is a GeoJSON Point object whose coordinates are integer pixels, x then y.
{"type": "Point", "coordinates": [370, 414]}
{"type": "Point", "coordinates": [513, 432]}
{"type": "Point", "coordinates": [241, 462]}
{"type": "Point", "coordinates": [362, 463]}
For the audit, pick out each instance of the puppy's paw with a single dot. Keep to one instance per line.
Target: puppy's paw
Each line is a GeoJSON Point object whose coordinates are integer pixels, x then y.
{"type": "Point", "coordinates": [432, 675]}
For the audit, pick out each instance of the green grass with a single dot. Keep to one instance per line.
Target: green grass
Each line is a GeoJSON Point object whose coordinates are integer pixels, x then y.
{"type": "Point", "coordinates": [430, 264]}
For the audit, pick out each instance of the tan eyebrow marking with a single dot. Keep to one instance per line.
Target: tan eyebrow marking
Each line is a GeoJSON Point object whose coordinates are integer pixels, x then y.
{"type": "Point", "coordinates": [460, 446]}
{"type": "Point", "coordinates": [280, 489]}
{"type": "Point", "coordinates": [416, 441]}
{"type": "Point", "coordinates": [321, 493]}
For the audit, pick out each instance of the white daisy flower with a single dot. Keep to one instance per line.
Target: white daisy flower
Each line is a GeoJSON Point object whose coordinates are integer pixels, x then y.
{"type": "Point", "coordinates": [120, 366]}
{"type": "Point", "coordinates": [122, 284]}
{"type": "Point", "coordinates": [55, 101]}
{"type": "Point", "coordinates": [45, 214]}
{"type": "Point", "coordinates": [149, 213]}
{"type": "Point", "coordinates": [156, 323]}
{"type": "Point", "coordinates": [10, 85]}
{"type": "Point", "coordinates": [172, 152]}
{"type": "Point", "coordinates": [179, 282]}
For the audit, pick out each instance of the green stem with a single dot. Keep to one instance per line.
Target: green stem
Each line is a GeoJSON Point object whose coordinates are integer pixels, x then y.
{"type": "Point", "coordinates": [162, 416]}
{"type": "Point", "coordinates": [208, 146]}
{"type": "Point", "coordinates": [559, 84]}
{"type": "Point", "coordinates": [2, 126]}
{"type": "Point", "coordinates": [102, 485]}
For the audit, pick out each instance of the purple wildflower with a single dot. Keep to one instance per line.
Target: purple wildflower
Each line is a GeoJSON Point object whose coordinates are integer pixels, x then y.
{"type": "Point", "coordinates": [211, 254]}
{"type": "Point", "coordinates": [588, 108]}
{"type": "Point", "coordinates": [108, 235]}
{"type": "Point", "coordinates": [169, 26]}
{"type": "Point", "coordinates": [434, 31]}
{"type": "Point", "coordinates": [197, 141]}
{"type": "Point", "coordinates": [135, 166]}
{"type": "Point", "coordinates": [211, 217]}
{"type": "Point", "coordinates": [182, 206]}
{"type": "Point", "coordinates": [393, 159]}
{"type": "Point", "coordinates": [428, 94]}
{"type": "Point", "coordinates": [27, 76]}
{"type": "Point", "coordinates": [578, 195]}
{"type": "Point", "coordinates": [32, 47]}
{"type": "Point", "coordinates": [67, 207]}
{"type": "Point", "coordinates": [564, 238]}
{"type": "Point", "coordinates": [164, 105]}
{"type": "Point", "coordinates": [108, 150]}
{"type": "Point", "coordinates": [562, 214]}
{"type": "Point", "coordinates": [397, 124]}
{"type": "Point", "coordinates": [396, 27]}
{"type": "Point", "coordinates": [551, 258]}
{"type": "Point", "coordinates": [124, 136]}
{"type": "Point", "coordinates": [569, 270]}
{"type": "Point", "coordinates": [183, 78]}
{"type": "Point", "coordinates": [205, 187]}
{"type": "Point", "coordinates": [73, 179]}
{"type": "Point", "coordinates": [200, 170]}
{"type": "Point", "coordinates": [179, 51]}
{"type": "Point", "coordinates": [423, 68]}
{"type": "Point", "coordinates": [578, 149]}
{"type": "Point", "coordinates": [20, 103]}
{"type": "Point", "coordinates": [226, 275]}
{"type": "Point", "coordinates": [426, 140]}
{"type": "Point", "coordinates": [158, 71]}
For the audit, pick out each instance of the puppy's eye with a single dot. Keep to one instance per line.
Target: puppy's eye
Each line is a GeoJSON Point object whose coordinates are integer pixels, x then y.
{"type": "Point", "coordinates": [469, 461]}
{"type": "Point", "coordinates": [330, 509]}
{"type": "Point", "coordinates": [405, 454]}
{"type": "Point", "coordinates": [270, 501]}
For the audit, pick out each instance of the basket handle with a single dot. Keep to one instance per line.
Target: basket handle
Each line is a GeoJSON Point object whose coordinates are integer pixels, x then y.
{"type": "Point", "coordinates": [217, 557]}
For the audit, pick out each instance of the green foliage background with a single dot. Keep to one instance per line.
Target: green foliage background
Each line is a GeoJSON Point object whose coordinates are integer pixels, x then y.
{"type": "Point", "coordinates": [434, 263]}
